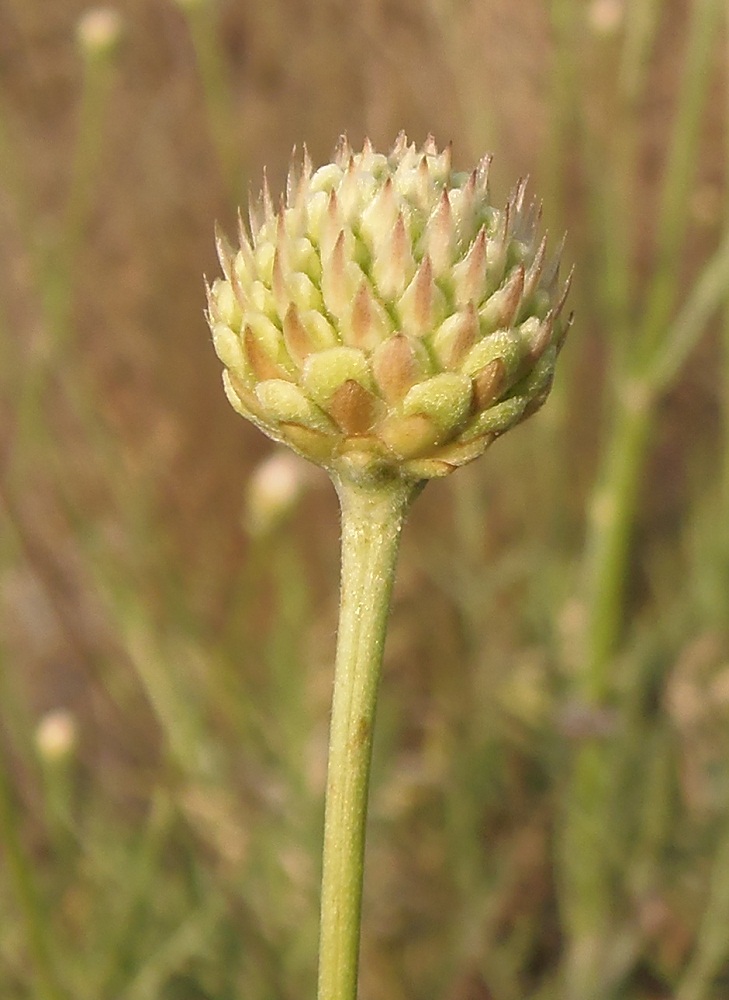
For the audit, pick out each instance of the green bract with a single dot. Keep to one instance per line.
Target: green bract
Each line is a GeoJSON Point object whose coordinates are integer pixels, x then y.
{"type": "Point", "coordinates": [387, 317]}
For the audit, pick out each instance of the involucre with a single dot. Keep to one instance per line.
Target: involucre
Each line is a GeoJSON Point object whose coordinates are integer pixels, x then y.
{"type": "Point", "coordinates": [387, 318]}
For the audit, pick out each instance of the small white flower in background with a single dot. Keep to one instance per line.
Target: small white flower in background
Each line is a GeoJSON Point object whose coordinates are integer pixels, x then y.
{"type": "Point", "coordinates": [56, 735]}
{"type": "Point", "coordinates": [606, 16]}
{"type": "Point", "coordinates": [274, 489]}
{"type": "Point", "coordinates": [98, 31]}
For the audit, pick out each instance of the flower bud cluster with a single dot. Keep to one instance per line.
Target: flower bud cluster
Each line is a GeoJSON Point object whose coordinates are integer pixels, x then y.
{"type": "Point", "coordinates": [386, 316]}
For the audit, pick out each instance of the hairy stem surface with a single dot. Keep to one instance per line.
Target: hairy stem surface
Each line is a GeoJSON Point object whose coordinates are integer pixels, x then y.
{"type": "Point", "coordinates": [372, 517]}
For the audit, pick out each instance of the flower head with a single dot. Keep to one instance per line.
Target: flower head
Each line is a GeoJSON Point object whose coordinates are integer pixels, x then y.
{"type": "Point", "coordinates": [386, 317]}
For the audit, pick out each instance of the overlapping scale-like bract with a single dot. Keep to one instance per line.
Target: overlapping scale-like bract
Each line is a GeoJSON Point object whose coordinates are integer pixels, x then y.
{"type": "Point", "coordinates": [387, 317]}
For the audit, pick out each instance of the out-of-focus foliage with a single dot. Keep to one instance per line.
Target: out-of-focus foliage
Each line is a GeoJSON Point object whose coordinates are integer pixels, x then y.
{"type": "Point", "coordinates": [549, 805]}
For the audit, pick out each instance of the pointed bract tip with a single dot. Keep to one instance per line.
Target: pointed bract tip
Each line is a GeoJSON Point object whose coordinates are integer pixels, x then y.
{"type": "Point", "coordinates": [343, 150]}
{"type": "Point", "coordinates": [430, 146]}
{"type": "Point", "coordinates": [401, 143]}
{"type": "Point", "coordinates": [224, 250]}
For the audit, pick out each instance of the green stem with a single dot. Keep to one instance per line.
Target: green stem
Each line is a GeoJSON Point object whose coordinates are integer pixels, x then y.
{"type": "Point", "coordinates": [372, 517]}
{"type": "Point", "coordinates": [217, 95]}
{"type": "Point", "coordinates": [34, 911]}
{"type": "Point", "coordinates": [709, 292]}
{"type": "Point", "coordinates": [674, 213]}
{"type": "Point", "coordinates": [711, 950]}
{"type": "Point", "coordinates": [614, 504]}
{"type": "Point", "coordinates": [609, 535]}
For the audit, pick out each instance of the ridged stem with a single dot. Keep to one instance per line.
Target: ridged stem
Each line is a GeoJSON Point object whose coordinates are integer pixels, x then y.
{"type": "Point", "coordinates": [372, 517]}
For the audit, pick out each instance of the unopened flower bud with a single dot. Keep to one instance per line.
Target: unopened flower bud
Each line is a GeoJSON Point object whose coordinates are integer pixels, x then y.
{"type": "Point", "coordinates": [388, 318]}
{"type": "Point", "coordinates": [98, 31]}
{"type": "Point", "coordinates": [56, 735]}
{"type": "Point", "coordinates": [273, 490]}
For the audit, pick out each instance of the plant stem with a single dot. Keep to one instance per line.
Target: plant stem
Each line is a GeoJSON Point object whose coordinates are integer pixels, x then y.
{"type": "Point", "coordinates": [372, 517]}
{"type": "Point", "coordinates": [650, 361]}
{"type": "Point", "coordinates": [613, 511]}
{"type": "Point", "coordinates": [34, 911]}
{"type": "Point", "coordinates": [218, 96]}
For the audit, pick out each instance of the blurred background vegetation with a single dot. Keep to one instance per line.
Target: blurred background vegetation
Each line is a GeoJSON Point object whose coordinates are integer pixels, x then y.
{"type": "Point", "coordinates": [550, 802]}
